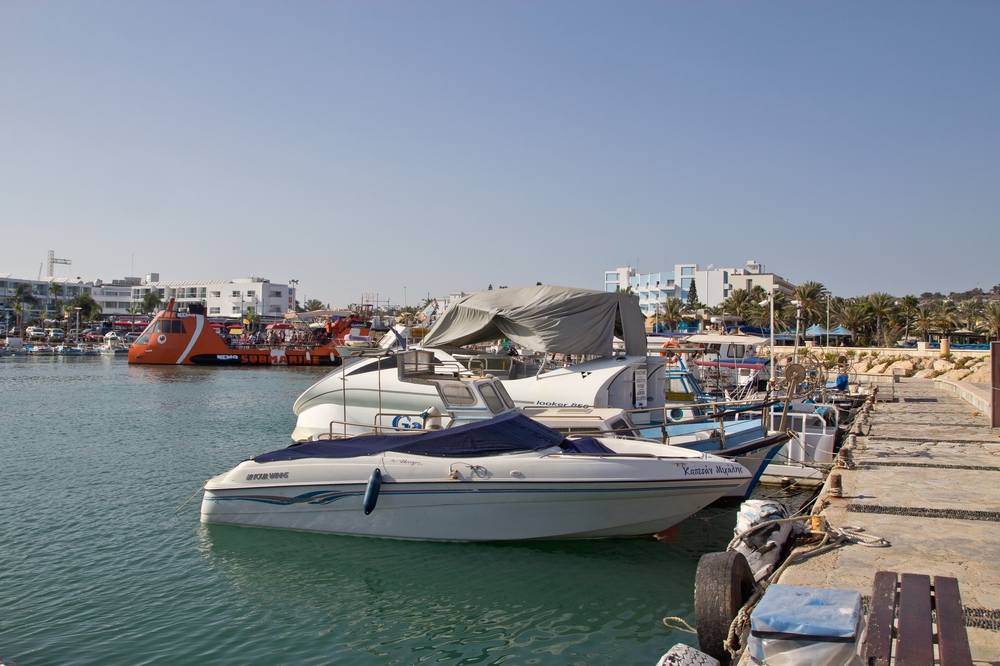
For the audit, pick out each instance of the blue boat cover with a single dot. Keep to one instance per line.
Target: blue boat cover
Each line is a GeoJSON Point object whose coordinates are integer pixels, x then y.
{"type": "Point", "coordinates": [807, 613]}
{"type": "Point", "coordinates": [509, 433]}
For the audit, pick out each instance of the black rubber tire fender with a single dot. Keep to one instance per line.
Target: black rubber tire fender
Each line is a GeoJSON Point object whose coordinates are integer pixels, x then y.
{"type": "Point", "coordinates": [722, 584]}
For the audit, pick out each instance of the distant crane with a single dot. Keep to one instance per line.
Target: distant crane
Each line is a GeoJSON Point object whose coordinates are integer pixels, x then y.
{"type": "Point", "coordinates": [53, 261]}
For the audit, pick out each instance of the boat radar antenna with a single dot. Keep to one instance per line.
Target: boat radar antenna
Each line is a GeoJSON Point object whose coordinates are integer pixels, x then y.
{"type": "Point", "coordinates": [53, 261]}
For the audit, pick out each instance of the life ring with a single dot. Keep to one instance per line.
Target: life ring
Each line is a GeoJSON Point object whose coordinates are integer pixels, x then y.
{"type": "Point", "coordinates": [722, 584]}
{"type": "Point", "coordinates": [162, 339]}
{"type": "Point", "coordinates": [670, 344]}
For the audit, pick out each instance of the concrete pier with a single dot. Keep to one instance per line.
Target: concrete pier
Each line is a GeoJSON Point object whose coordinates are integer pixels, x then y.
{"type": "Point", "coordinates": [927, 478]}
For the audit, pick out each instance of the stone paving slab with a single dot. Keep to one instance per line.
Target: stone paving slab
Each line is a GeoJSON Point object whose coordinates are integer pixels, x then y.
{"type": "Point", "coordinates": [966, 549]}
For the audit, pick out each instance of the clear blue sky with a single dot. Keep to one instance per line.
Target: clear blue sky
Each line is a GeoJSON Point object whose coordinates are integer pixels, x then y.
{"type": "Point", "coordinates": [436, 146]}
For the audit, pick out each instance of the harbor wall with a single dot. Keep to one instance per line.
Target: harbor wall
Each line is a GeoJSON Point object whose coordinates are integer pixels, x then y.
{"type": "Point", "coordinates": [975, 396]}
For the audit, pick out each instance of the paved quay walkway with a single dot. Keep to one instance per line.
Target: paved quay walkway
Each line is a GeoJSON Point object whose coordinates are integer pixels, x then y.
{"type": "Point", "coordinates": [928, 480]}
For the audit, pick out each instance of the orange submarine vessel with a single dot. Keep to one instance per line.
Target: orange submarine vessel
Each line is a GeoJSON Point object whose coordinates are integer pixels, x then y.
{"type": "Point", "coordinates": [187, 338]}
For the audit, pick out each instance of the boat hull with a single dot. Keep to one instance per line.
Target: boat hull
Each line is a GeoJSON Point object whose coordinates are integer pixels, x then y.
{"type": "Point", "coordinates": [175, 338]}
{"type": "Point", "coordinates": [450, 511]}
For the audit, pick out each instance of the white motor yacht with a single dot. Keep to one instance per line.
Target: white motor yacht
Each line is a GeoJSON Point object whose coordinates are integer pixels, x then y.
{"type": "Point", "coordinates": [550, 320]}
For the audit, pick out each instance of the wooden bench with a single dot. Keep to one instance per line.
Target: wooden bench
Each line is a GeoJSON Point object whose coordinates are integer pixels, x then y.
{"type": "Point", "coordinates": [902, 618]}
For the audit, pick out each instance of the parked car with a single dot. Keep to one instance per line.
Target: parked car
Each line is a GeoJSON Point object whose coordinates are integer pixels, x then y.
{"type": "Point", "coordinates": [33, 332]}
{"type": "Point", "coordinates": [55, 334]}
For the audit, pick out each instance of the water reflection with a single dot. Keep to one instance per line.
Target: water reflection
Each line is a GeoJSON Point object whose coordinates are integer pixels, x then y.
{"type": "Point", "coordinates": [587, 601]}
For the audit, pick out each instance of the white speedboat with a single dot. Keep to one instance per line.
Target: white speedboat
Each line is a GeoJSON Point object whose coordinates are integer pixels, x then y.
{"type": "Point", "coordinates": [504, 478]}
{"type": "Point", "coordinates": [493, 474]}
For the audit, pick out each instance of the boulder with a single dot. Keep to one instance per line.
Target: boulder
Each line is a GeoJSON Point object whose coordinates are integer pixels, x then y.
{"type": "Point", "coordinates": [955, 375]}
{"type": "Point", "coordinates": [906, 367]}
{"type": "Point", "coordinates": [941, 364]}
{"type": "Point", "coordinates": [980, 375]}
{"type": "Point", "coordinates": [924, 374]}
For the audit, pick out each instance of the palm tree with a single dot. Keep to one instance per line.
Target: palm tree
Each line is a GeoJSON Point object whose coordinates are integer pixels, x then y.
{"type": "Point", "coordinates": [252, 320]}
{"type": "Point", "coordinates": [56, 290]}
{"type": "Point", "coordinates": [151, 301]}
{"type": "Point", "coordinates": [991, 319]}
{"type": "Point", "coordinates": [89, 308]}
{"type": "Point", "coordinates": [908, 307]}
{"type": "Point", "coordinates": [673, 313]}
{"type": "Point", "coordinates": [738, 302]}
{"type": "Point", "coordinates": [758, 315]}
{"type": "Point", "coordinates": [924, 320]}
{"type": "Point", "coordinates": [134, 310]}
{"type": "Point", "coordinates": [853, 314]}
{"type": "Point", "coordinates": [24, 296]}
{"type": "Point", "coordinates": [313, 304]}
{"type": "Point", "coordinates": [784, 313]}
{"type": "Point", "coordinates": [880, 305]}
{"type": "Point", "coordinates": [945, 318]}
{"type": "Point", "coordinates": [809, 295]}
{"type": "Point", "coordinates": [19, 311]}
{"type": "Point", "coordinates": [757, 293]}
{"type": "Point", "coordinates": [970, 311]}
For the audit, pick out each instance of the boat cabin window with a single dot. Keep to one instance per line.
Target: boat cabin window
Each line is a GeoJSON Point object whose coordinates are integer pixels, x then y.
{"type": "Point", "coordinates": [458, 395]}
{"type": "Point", "coordinates": [735, 351]}
{"type": "Point", "coordinates": [373, 365]}
{"type": "Point", "coordinates": [493, 400]}
{"type": "Point", "coordinates": [168, 326]}
{"type": "Point", "coordinates": [507, 400]}
{"type": "Point", "coordinates": [143, 339]}
{"type": "Point", "coordinates": [620, 425]}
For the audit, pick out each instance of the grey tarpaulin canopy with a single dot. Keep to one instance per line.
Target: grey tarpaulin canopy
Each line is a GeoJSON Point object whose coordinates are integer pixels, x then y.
{"type": "Point", "coordinates": [562, 320]}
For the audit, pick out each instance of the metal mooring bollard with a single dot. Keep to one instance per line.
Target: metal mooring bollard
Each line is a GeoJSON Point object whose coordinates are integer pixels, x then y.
{"type": "Point", "coordinates": [835, 488]}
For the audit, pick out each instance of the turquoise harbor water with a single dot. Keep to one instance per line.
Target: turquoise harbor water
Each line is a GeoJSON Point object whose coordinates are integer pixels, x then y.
{"type": "Point", "coordinates": [95, 568]}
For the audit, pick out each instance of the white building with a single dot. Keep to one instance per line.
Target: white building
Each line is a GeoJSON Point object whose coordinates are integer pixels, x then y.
{"type": "Point", "coordinates": [46, 291]}
{"type": "Point", "coordinates": [223, 298]}
{"type": "Point", "coordinates": [713, 285]}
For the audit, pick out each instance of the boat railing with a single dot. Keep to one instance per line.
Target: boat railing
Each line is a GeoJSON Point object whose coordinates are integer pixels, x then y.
{"type": "Point", "coordinates": [370, 428]}
{"type": "Point", "coordinates": [720, 411]}
{"type": "Point", "coordinates": [374, 428]}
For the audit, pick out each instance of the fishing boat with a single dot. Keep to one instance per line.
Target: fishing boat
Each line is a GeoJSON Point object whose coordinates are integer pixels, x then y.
{"type": "Point", "coordinates": [493, 476]}
{"type": "Point", "coordinates": [113, 347]}
{"type": "Point", "coordinates": [175, 337]}
{"type": "Point", "coordinates": [68, 350]}
{"type": "Point", "coordinates": [811, 449]}
{"type": "Point", "coordinates": [40, 350]}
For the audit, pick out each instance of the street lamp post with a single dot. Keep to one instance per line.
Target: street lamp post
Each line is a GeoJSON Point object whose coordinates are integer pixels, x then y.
{"type": "Point", "coordinates": [828, 322]}
{"type": "Point", "coordinates": [798, 319]}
